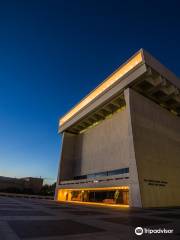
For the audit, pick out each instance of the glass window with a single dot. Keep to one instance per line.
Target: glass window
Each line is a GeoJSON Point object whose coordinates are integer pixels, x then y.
{"type": "Point", "coordinates": [103, 174]}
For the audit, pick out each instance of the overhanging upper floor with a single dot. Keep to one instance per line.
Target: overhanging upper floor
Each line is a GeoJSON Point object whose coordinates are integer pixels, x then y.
{"type": "Point", "coordinates": [144, 74]}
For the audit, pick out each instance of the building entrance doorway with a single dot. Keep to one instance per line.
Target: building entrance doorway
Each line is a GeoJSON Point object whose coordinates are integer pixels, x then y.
{"type": "Point", "coordinates": [111, 196]}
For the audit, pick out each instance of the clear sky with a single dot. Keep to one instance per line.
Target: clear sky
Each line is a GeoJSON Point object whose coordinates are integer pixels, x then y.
{"type": "Point", "coordinates": [52, 53]}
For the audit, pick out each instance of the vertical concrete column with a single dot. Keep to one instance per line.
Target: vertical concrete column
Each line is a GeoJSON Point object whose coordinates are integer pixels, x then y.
{"type": "Point", "coordinates": [58, 176]}
{"type": "Point", "coordinates": [134, 192]}
{"type": "Point", "coordinates": [66, 163]}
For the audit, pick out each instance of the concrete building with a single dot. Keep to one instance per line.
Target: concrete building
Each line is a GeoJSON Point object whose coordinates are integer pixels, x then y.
{"type": "Point", "coordinates": [21, 185]}
{"type": "Point", "coordinates": [121, 143]}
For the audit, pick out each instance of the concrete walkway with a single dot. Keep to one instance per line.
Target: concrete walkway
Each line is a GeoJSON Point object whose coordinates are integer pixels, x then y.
{"type": "Point", "coordinates": [48, 220]}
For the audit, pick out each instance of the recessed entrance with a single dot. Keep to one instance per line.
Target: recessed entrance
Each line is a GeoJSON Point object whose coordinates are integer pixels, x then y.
{"type": "Point", "coordinates": [106, 196]}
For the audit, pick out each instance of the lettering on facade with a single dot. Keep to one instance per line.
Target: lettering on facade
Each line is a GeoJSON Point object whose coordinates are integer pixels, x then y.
{"type": "Point", "coordinates": [159, 183]}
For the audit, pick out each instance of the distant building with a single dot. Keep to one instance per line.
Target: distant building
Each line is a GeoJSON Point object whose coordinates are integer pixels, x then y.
{"type": "Point", "coordinates": [24, 185]}
{"type": "Point", "coordinates": [121, 143]}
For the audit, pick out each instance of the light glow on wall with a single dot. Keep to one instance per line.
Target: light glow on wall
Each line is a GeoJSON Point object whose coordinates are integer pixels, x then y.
{"type": "Point", "coordinates": [97, 188]}
{"type": "Point", "coordinates": [99, 204]}
{"type": "Point", "coordinates": [103, 86]}
{"type": "Point", "coordinates": [65, 195]}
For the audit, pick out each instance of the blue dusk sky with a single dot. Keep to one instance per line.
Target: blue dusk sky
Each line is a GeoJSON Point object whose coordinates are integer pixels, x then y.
{"type": "Point", "coordinates": [52, 53]}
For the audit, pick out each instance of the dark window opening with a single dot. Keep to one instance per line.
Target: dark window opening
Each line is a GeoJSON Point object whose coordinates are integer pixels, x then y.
{"type": "Point", "coordinates": [103, 174]}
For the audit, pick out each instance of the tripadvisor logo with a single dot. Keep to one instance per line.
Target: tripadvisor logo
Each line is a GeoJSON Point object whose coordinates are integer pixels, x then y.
{"type": "Point", "coordinates": [140, 231]}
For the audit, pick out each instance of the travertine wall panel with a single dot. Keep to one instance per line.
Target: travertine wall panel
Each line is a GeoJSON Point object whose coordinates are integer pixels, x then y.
{"type": "Point", "coordinates": [156, 134]}
{"type": "Point", "coordinates": [103, 147]}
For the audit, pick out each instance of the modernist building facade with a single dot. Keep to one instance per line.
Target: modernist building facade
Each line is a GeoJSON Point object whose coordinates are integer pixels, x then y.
{"type": "Point", "coordinates": [121, 143]}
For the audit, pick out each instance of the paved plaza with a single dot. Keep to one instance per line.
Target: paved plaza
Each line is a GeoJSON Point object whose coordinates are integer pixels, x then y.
{"type": "Point", "coordinates": [37, 219]}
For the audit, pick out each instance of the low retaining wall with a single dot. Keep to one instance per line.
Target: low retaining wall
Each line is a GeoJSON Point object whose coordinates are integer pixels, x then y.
{"type": "Point", "coordinates": [2, 194]}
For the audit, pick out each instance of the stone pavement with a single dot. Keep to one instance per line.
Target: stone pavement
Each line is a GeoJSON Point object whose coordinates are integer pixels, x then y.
{"type": "Point", "coordinates": [30, 219]}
